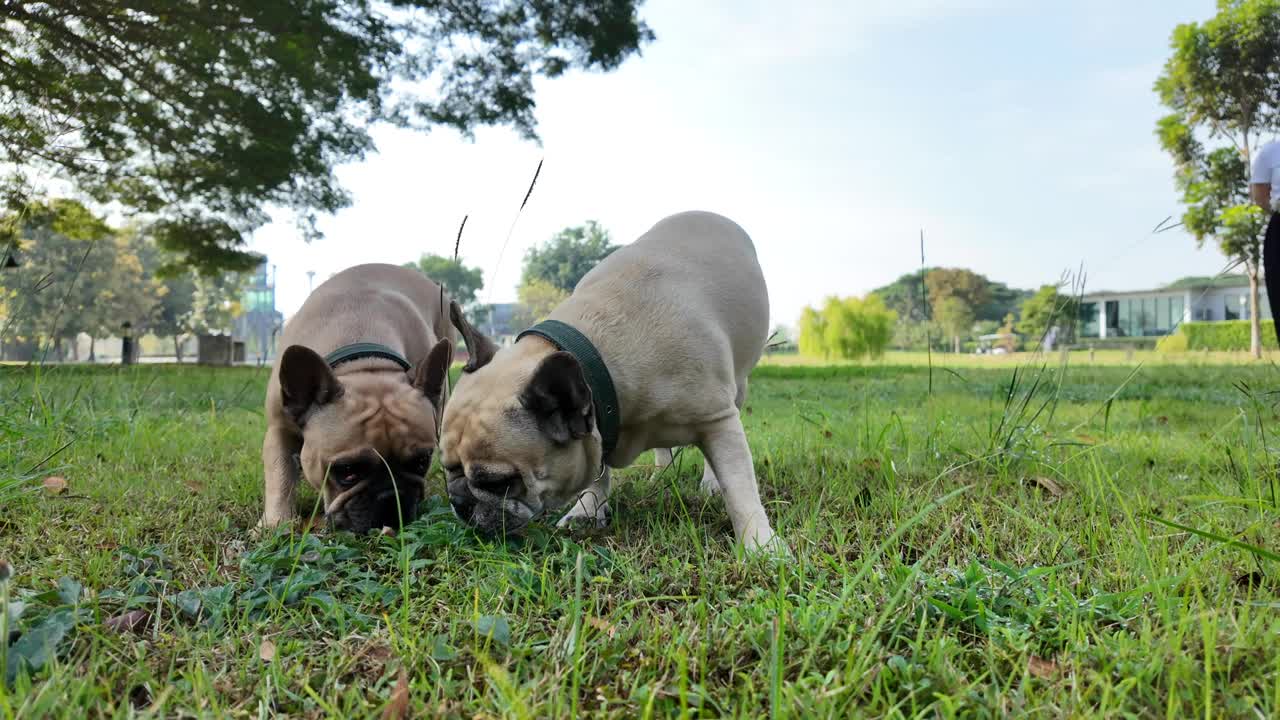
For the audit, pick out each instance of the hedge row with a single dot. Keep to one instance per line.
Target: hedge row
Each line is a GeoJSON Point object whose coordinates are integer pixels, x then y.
{"type": "Point", "coordinates": [1224, 335]}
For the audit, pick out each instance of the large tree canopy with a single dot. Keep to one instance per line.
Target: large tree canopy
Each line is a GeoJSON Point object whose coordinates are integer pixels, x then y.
{"type": "Point", "coordinates": [569, 255]}
{"type": "Point", "coordinates": [202, 115]}
{"type": "Point", "coordinates": [1222, 87]}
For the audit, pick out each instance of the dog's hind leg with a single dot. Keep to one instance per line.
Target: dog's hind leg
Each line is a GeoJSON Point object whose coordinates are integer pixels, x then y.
{"type": "Point", "coordinates": [663, 457]}
{"type": "Point", "coordinates": [710, 486]}
{"type": "Point", "coordinates": [724, 443]}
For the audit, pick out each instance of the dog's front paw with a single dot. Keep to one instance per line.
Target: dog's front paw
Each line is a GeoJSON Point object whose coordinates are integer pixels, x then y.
{"type": "Point", "coordinates": [268, 524]}
{"type": "Point", "coordinates": [582, 517]}
{"type": "Point", "coordinates": [764, 543]}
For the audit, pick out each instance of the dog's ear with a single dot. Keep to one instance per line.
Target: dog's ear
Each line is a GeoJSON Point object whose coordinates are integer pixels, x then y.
{"type": "Point", "coordinates": [433, 372]}
{"type": "Point", "coordinates": [306, 382]}
{"type": "Point", "coordinates": [558, 397]}
{"type": "Point", "coordinates": [480, 348]}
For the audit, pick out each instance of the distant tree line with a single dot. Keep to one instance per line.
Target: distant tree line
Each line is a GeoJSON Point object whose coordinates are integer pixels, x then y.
{"type": "Point", "coordinates": [551, 272]}
{"type": "Point", "coordinates": [72, 273]}
{"type": "Point", "coordinates": [940, 308]}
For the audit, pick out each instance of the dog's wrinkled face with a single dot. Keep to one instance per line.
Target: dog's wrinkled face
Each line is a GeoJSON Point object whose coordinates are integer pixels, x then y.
{"type": "Point", "coordinates": [368, 437]}
{"type": "Point", "coordinates": [518, 434]}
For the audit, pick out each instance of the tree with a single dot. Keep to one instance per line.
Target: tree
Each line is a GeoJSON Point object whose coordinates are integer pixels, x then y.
{"type": "Point", "coordinates": [537, 299]}
{"type": "Point", "coordinates": [175, 310]}
{"type": "Point", "coordinates": [848, 328]}
{"type": "Point", "coordinates": [216, 302]}
{"type": "Point", "coordinates": [1223, 83]}
{"type": "Point", "coordinates": [1010, 340]}
{"type": "Point", "coordinates": [813, 334]}
{"type": "Point", "coordinates": [907, 295]}
{"type": "Point", "coordinates": [1046, 308]}
{"type": "Point", "coordinates": [78, 275]}
{"type": "Point", "coordinates": [204, 115]}
{"type": "Point", "coordinates": [461, 282]}
{"type": "Point", "coordinates": [570, 254]}
{"type": "Point", "coordinates": [966, 286]}
{"type": "Point", "coordinates": [955, 316]}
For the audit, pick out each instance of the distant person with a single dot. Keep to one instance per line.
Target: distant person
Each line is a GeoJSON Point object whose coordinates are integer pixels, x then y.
{"type": "Point", "coordinates": [1264, 190]}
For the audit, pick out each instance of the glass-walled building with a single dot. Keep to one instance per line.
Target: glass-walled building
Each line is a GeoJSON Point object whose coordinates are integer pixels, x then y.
{"type": "Point", "coordinates": [1150, 313]}
{"type": "Point", "coordinates": [259, 323]}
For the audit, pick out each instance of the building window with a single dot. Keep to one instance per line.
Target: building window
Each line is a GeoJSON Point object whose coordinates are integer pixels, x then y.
{"type": "Point", "coordinates": [1088, 319]}
{"type": "Point", "coordinates": [1147, 326]}
{"type": "Point", "coordinates": [1113, 318]}
{"type": "Point", "coordinates": [1230, 307]}
{"type": "Point", "coordinates": [1124, 322]}
{"type": "Point", "coordinates": [1175, 312]}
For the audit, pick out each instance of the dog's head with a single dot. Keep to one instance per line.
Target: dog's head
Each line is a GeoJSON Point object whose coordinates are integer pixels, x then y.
{"type": "Point", "coordinates": [519, 433]}
{"type": "Point", "coordinates": [367, 437]}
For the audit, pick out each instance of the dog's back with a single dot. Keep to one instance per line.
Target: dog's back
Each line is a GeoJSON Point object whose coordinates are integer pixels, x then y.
{"type": "Point", "coordinates": [359, 303]}
{"type": "Point", "coordinates": [375, 302]}
{"type": "Point", "coordinates": [695, 275]}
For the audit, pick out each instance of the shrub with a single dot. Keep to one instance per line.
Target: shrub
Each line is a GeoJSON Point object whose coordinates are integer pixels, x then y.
{"type": "Point", "coordinates": [1225, 335]}
{"type": "Point", "coordinates": [848, 328]}
{"type": "Point", "coordinates": [1176, 342]}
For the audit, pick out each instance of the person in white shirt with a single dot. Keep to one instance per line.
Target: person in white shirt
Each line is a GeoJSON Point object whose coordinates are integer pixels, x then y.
{"type": "Point", "coordinates": [1264, 191]}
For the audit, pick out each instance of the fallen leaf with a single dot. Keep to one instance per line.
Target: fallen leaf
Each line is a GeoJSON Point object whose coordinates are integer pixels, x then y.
{"type": "Point", "coordinates": [267, 650]}
{"type": "Point", "coordinates": [194, 486]}
{"type": "Point", "coordinates": [495, 628]}
{"type": "Point", "coordinates": [1050, 486]}
{"type": "Point", "coordinates": [603, 626]}
{"type": "Point", "coordinates": [1163, 420]}
{"type": "Point", "coordinates": [55, 485]}
{"type": "Point", "coordinates": [132, 621]}
{"type": "Point", "coordinates": [1041, 668]}
{"type": "Point", "coordinates": [398, 705]}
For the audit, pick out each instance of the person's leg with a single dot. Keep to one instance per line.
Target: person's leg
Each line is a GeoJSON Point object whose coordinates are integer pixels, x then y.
{"type": "Point", "coordinates": [1271, 268]}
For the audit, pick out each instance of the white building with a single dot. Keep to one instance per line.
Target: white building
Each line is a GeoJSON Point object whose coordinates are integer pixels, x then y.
{"type": "Point", "coordinates": [1147, 313]}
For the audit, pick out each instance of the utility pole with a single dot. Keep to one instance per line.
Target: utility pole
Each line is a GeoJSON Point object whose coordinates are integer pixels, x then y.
{"type": "Point", "coordinates": [311, 277]}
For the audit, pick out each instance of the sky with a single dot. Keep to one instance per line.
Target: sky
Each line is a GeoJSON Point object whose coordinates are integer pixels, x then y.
{"type": "Point", "coordinates": [1018, 135]}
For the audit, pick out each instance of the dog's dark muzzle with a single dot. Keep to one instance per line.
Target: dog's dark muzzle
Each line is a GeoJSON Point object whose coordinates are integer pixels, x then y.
{"type": "Point", "coordinates": [379, 505]}
{"type": "Point", "coordinates": [489, 519]}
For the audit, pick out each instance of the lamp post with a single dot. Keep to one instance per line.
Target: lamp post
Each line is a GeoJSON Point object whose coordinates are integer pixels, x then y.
{"type": "Point", "coordinates": [126, 343]}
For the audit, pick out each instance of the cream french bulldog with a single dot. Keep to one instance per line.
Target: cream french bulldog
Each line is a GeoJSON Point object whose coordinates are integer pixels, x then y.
{"type": "Point", "coordinates": [652, 350]}
{"type": "Point", "coordinates": [355, 399]}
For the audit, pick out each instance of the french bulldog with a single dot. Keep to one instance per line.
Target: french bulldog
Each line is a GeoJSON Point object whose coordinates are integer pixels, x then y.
{"type": "Point", "coordinates": [652, 350]}
{"type": "Point", "coordinates": [355, 399]}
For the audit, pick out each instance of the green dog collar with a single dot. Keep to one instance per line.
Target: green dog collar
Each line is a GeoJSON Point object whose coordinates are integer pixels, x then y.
{"type": "Point", "coordinates": [603, 395]}
{"type": "Point", "coordinates": [359, 351]}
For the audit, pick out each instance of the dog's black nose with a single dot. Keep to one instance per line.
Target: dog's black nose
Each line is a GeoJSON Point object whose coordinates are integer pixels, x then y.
{"type": "Point", "coordinates": [497, 484]}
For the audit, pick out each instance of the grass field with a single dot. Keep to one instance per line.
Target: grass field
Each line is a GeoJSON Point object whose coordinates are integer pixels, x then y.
{"type": "Point", "coordinates": [969, 541]}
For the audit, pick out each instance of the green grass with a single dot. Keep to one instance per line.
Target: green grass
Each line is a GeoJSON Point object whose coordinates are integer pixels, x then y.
{"type": "Point", "coordinates": [962, 550]}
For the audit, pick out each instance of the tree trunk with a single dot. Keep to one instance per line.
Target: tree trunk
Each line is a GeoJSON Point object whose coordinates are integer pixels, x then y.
{"type": "Point", "coordinates": [1255, 322]}
{"type": "Point", "coordinates": [93, 349]}
{"type": "Point", "coordinates": [177, 348]}
{"type": "Point", "coordinates": [955, 341]}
